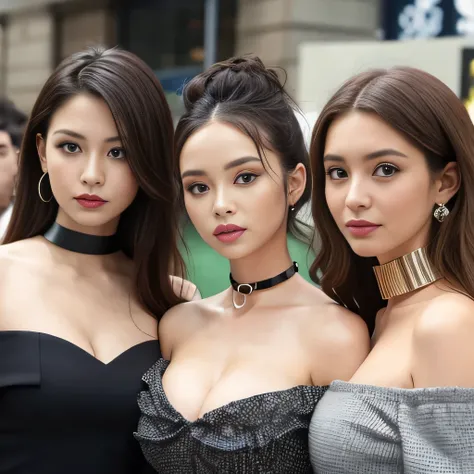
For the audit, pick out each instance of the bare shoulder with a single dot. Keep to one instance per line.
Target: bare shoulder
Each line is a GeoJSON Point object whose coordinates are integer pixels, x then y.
{"type": "Point", "coordinates": [21, 263]}
{"type": "Point", "coordinates": [340, 329]}
{"type": "Point", "coordinates": [24, 248]}
{"type": "Point", "coordinates": [449, 314]}
{"type": "Point", "coordinates": [183, 320]}
{"type": "Point", "coordinates": [20, 256]}
{"type": "Point", "coordinates": [443, 353]}
{"type": "Point", "coordinates": [334, 324]}
{"type": "Point", "coordinates": [338, 341]}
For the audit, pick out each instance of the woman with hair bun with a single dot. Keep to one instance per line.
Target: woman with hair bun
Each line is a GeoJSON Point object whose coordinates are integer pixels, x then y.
{"type": "Point", "coordinates": [243, 370]}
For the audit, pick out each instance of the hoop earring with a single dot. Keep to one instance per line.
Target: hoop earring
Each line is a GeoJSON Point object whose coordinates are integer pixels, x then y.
{"type": "Point", "coordinates": [39, 188]}
{"type": "Point", "coordinates": [441, 212]}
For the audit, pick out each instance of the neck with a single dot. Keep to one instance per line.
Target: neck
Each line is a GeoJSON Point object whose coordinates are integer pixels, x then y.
{"type": "Point", "coordinates": [82, 243]}
{"type": "Point", "coordinates": [249, 288]}
{"type": "Point", "coordinates": [108, 229]}
{"type": "Point", "coordinates": [266, 262]}
{"type": "Point", "coordinates": [405, 274]}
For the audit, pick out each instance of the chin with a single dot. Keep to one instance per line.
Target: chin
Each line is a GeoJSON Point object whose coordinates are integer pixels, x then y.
{"type": "Point", "coordinates": [92, 220]}
{"type": "Point", "coordinates": [232, 254]}
{"type": "Point", "coordinates": [365, 250]}
{"type": "Point", "coordinates": [233, 251]}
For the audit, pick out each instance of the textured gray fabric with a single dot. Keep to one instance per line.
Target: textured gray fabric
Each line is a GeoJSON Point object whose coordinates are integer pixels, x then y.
{"type": "Point", "coordinates": [362, 429]}
{"type": "Point", "coordinates": [262, 434]}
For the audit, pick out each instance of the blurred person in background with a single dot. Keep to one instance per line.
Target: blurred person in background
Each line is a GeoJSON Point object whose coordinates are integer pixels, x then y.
{"type": "Point", "coordinates": [12, 123]}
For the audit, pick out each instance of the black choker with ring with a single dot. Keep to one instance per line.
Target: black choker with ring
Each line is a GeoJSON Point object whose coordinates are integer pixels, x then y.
{"type": "Point", "coordinates": [82, 243]}
{"type": "Point", "coordinates": [248, 288]}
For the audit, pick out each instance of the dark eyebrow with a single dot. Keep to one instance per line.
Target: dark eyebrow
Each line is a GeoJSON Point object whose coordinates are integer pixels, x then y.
{"type": "Point", "coordinates": [228, 166]}
{"type": "Point", "coordinates": [385, 152]}
{"type": "Point", "coordinates": [240, 161]}
{"type": "Point", "coordinates": [370, 156]}
{"type": "Point", "coordinates": [333, 158]}
{"type": "Point", "coordinates": [193, 173]}
{"type": "Point", "coordinates": [82, 137]}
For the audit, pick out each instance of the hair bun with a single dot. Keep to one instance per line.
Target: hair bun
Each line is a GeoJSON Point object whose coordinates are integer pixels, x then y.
{"type": "Point", "coordinates": [223, 80]}
{"type": "Point", "coordinates": [249, 64]}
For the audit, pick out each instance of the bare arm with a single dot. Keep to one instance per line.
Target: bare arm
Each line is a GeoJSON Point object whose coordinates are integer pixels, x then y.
{"type": "Point", "coordinates": [169, 330]}
{"type": "Point", "coordinates": [178, 324]}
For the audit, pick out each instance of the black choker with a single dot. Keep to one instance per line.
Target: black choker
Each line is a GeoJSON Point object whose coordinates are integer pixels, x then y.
{"type": "Point", "coordinates": [248, 288]}
{"type": "Point", "coordinates": [82, 243]}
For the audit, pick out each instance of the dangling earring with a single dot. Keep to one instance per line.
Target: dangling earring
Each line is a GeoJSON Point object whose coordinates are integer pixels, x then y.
{"type": "Point", "coordinates": [441, 212]}
{"type": "Point", "coordinates": [39, 188]}
{"type": "Point", "coordinates": [292, 208]}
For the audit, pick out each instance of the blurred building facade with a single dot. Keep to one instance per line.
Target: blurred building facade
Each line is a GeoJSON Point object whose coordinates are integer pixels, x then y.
{"type": "Point", "coordinates": [36, 34]}
{"type": "Point", "coordinates": [168, 34]}
{"type": "Point", "coordinates": [434, 35]}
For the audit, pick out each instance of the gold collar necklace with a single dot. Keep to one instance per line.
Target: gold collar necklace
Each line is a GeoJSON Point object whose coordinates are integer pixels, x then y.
{"type": "Point", "coordinates": [405, 274]}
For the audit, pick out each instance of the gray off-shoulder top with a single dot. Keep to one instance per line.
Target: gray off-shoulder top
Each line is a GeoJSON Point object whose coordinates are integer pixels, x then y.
{"type": "Point", "coordinates": [363, 429]}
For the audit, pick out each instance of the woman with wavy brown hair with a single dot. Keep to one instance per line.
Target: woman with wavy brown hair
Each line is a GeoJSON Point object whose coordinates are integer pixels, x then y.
{"type": "Point", "coordinates": [84, 272]}
{"type": "Point", "coordinates": [393, 168]}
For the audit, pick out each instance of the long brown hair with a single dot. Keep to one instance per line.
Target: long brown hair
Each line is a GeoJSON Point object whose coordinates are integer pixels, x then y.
{"type": "Point", "coordinates": [137, 102]}
{"type": "Point", "coordinates": [430, 115]}
{"type": "Point", "coordinates": [244, 93]}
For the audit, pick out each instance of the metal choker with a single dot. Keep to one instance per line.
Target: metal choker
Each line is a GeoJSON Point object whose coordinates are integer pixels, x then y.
{"type": "Point", "coordinates": [405, 274]}
{"type": "Point", "coordinates": [248, 288]}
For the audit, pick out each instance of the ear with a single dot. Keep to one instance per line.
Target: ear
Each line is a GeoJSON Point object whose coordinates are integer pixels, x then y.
{"type": "Point", "coordinates": [448, 183]}
{"type": "Point", "coordinates": [296, 184]}
{"type": "Point", "coordinates": [41, 148]}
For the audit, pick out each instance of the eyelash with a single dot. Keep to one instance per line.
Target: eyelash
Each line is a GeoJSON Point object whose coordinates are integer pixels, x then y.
{"type": "Point", "coordinates": [193, 186]}
{"type": "Point", "coordinates": [62, 146]}
{"type": "Point", "coordinates": [253, 175]}
{"type": "Point", "coordinates": [390, 165]}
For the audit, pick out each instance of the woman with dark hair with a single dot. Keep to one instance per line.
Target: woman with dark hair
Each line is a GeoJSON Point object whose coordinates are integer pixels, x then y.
{"type": "Point", "coordinates": [393, 167]}
{"type": "Point", "coordinates": [247, 365]}
{"type": "Point", "coordinates": [85, 269]}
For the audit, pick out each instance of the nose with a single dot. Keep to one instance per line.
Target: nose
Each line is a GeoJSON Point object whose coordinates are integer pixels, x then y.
{"type": "Point", "coordinates": [93, 173]}
{"type": "Point", "coordinates": [223, 204]}
{"type": "Point", "coordinates": [358, 196]}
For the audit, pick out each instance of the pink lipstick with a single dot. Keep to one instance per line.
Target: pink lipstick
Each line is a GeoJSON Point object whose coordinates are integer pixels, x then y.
{"type": "Point", "coordinates": [228, 233]}
{"type": "Point", "coordinates": [361, 228]}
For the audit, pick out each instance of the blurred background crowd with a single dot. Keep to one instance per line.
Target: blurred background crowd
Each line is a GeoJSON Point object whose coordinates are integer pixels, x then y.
{"type": "Point", "coordinates": [317, 44]}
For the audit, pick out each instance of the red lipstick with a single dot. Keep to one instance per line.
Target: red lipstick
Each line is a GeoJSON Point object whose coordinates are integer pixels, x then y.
{"type": "Point", "coordinates": [228, 233]}
{"type": "Point", "coordinates": [90, 201]}
{"type": "Point", "coordinates": [361, 228]}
